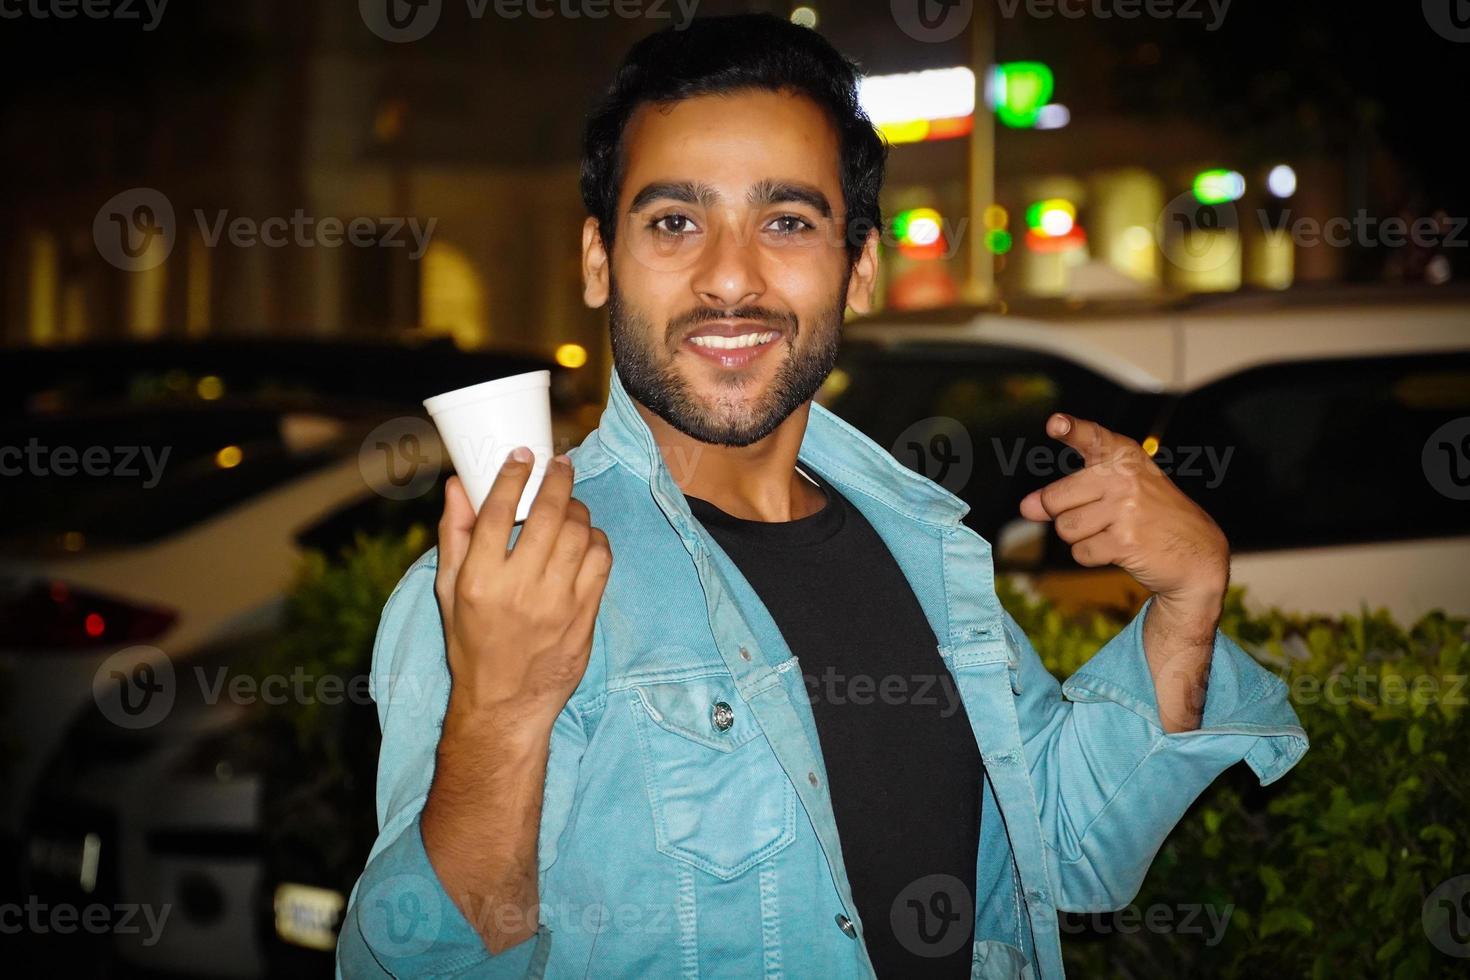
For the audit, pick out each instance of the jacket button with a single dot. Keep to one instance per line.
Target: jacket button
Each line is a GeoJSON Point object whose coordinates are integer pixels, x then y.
{"type": "Point", "coordinates": [811, 777]}
{"type": "Point", "coordinates": [722, 716]}
{"type": "Point", "coordinates": [744, 654]}
{"type": "Point", "coordinates": [845, 924]}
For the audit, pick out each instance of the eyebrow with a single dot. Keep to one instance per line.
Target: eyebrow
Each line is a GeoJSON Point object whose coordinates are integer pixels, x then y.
{"type": "Point", "coordinates": [763, 193]}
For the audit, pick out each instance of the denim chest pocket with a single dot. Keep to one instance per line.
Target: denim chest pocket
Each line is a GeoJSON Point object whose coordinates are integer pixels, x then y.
{"type": "Point", "coordinates": [721, 801]}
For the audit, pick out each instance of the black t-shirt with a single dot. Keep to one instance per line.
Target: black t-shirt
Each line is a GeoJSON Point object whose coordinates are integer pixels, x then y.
{"type": "Point", "coordinates": [903, 768]}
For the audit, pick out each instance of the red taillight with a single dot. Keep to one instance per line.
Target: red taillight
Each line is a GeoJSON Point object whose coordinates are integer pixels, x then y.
{"type": "Point", "coordinates": [50, 615]}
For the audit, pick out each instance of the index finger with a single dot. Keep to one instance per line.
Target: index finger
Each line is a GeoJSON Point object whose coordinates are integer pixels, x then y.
{"type": "Point", "coordinates": [491, 537]}
{"type": "Point", "coordinates": [1093, 442]}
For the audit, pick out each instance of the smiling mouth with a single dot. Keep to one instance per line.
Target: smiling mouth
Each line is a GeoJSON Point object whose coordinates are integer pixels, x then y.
{"type": "Point", "coordinates": [753, 339]}
{"type": "Point", "coordinates": [734, 352]}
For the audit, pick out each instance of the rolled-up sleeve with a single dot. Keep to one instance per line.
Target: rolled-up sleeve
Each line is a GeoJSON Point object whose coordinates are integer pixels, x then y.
{"type": "Point", "coordinates": [400, 921]}
{"type": "Point", "coordinates": [1110, 782]}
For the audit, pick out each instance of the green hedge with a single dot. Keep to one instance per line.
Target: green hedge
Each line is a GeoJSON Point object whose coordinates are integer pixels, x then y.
{"type": "Point", "coordinates": [1324, 873]}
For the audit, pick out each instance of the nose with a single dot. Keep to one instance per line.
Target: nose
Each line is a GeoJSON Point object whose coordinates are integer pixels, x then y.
{"type": "Point", "coordinates": [728, 273]}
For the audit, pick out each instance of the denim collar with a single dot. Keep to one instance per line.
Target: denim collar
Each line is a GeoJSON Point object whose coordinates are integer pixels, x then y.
{"type": "Point", "coordinates": [848, 459]}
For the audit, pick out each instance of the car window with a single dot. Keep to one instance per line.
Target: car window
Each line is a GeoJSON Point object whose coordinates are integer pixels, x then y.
{"type": "Point", "coordinates": [1330, 452]}
{"type": "Point", "coordinates": [972, 418]}
{"type": "Point", "coordinates": [84, 482]}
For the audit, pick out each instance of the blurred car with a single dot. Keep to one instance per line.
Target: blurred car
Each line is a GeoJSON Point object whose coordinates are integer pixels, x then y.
{"type": "Point", "coordinates": [178, 561]}
{"type": "Point", "coordinates": [1304, 428]}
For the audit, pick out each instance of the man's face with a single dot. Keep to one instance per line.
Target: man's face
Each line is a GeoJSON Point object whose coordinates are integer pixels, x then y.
{"type": "Point", "coordinates": [729, 272]}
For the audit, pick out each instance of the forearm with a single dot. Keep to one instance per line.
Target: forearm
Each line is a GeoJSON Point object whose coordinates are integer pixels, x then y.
{"type": "Point", "coordinates": [1178, 640]}
{"type": "Point", "coordinates": [482, 817]}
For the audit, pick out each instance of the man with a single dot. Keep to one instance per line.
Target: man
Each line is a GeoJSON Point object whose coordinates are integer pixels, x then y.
{"type": "Point", "coordinates": [663, 764]}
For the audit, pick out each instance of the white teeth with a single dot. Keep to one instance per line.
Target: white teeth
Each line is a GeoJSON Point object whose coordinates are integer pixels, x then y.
{"type": "Point", "coordinates": [731, 343]}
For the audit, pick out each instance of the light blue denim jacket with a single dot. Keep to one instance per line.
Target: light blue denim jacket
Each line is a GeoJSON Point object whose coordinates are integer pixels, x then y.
{"type": "Point", "coordinates": [673, 847]}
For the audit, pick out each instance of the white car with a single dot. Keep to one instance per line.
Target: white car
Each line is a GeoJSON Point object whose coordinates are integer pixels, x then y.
{"type": "Point", "coordinates": [1328, 435]}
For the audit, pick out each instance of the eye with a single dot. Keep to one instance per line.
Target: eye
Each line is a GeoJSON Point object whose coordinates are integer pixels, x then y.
{"type": "Point", "coordinates": [672, 225]}
{"type": "Point", "coordinates": [790, 224]}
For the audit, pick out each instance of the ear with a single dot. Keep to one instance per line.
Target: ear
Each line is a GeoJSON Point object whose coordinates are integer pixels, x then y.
{"type": "Point", "coordinates": [594, 265]}
{"type": "Point", "coordinates": [864, 276]}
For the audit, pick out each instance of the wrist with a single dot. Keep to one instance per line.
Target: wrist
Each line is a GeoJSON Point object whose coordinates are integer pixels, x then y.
{"type": "Point", "coordinates": [1193, 615]}
{"type": "Point", "coordinates": [513, 728]}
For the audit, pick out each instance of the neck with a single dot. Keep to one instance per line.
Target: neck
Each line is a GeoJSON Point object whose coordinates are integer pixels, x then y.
{"type": "Point", "coordinates": [758, 482]}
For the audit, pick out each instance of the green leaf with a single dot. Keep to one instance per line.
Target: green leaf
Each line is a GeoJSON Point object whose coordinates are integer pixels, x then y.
{"type": "Point", "coordinates": [1271, 878]}
{"type": "Point", "coordinates": [1285, 920]}
{"type": "Point", "coordinates": [1375, 863]}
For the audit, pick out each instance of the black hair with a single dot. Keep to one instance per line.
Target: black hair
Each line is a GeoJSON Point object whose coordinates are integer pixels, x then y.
{"type": "Point", "coordinates": [713, 55]}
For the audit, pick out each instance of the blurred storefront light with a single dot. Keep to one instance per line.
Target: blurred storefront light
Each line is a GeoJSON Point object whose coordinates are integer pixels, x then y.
{"type": "Point", "coordinates": [921, 105]}
{"type": "Point", "coordinates": [571, 355]}
{"type": "Point", "coordinates": [1281, 181]}
{"type": "Point", "coordinates": [1218, 186]}
{"type": "Point", "coordinates": [1054, 115]}
{"type": "Point", "coordinates": [1018, 90]}
{"type": "Point", "coordinates": [804, 16]}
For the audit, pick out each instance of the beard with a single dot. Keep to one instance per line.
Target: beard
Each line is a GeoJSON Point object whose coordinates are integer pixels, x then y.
{"type": "Point", "coordinates": [729, 418]}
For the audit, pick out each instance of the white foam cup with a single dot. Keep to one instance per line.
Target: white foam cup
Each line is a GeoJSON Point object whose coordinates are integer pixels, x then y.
{"type": "Point", "coordinates": [481, 424]}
